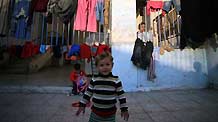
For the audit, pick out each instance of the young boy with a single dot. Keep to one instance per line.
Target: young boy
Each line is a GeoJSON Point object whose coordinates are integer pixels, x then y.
{"type": "Point", "coordinates": [79, 80]}
{"type": "Point", "coordinates": [104, 90]}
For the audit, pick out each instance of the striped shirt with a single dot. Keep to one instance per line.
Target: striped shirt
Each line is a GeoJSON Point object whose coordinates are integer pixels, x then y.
{"type": "Point", "coordinates": [104, 91]}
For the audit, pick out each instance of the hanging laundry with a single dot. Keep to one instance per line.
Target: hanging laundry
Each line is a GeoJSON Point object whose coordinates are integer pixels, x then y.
{"type": "Point", "coordinates": [153, 6]}
{"type": "Point", "coordinates": [36, 49]}
{"type": "Point", "coordinates": [85, 51]}
{"type": "Point", "coordinates": [100, 11]}
{"type": "Point", "coordinates": [36, 27]}
{"type": "Point", "coordinates": [19, 28]}
{"type": "Point", "coordinates": [92, 23]}
{"type": "Point", "coordinates": [94, 49]}
{"type": "Point", "coordinates": [81, 15]}
{"type": "Point", "coordinates": [4, 15]}
{"type": "Point", "coordinates": [37, 6]}
{"type": "Point", "coordinates": [57, 51]}
{"type": "Point", "coordinates": [86, 16]}
{"type": "Point", "coordinates": [106, 13]}
{"type": "Point", "coordinates": [167, 5]}
{"type": "Point", "coordinates": [27, 50]}
{"type": "Point", "coordinates": [42, 48]}
{"type": "Point", "coordinates": [103, 48]}
{"type": "Point", "coordinates": [74, 50]}
{"type": "Point", "coordinates": [64, 9]}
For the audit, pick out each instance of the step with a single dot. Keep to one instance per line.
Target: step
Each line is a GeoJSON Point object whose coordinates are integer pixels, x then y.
{"type": "Point", "coordinates": [14, 70]}
{"type": "Point", "coordinates": [35, 89]}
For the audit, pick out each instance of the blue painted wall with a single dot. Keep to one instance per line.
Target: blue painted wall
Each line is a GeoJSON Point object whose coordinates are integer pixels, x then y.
{"type": "Point", "coordinates": [175, 70]}
{"type": "Point", "coordinates": [212, 58]}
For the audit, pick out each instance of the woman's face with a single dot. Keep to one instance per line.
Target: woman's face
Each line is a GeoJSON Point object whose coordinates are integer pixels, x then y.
{"type": "Point", "coordinates": [104, 66]}
{"type": "Point", "coordinates": [142, 28]}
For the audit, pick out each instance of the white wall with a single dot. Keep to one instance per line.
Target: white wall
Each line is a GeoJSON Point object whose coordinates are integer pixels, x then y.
{"type": "Point", "coordinates": [174, 70]}
{"type": "Point", "coordinates": [123, 28]}
{"type": "Point", "coordinates": [212, 58]}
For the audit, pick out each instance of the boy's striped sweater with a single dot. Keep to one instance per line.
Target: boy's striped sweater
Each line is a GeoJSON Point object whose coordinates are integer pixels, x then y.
{"type": "Point", "coordinates": [104, 91]}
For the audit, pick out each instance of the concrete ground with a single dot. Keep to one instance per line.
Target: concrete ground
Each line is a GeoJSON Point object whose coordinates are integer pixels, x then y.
{"type": "Point", "coordinates": [42, 97]}
{"type": "Point", "coordinates": [154, 106]}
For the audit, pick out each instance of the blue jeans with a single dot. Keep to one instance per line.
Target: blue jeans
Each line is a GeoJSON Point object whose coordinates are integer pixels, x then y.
{"type": "Point", "coordinates": [176, 4]}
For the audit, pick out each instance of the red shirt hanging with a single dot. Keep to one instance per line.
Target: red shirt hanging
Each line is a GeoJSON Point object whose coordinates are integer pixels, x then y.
{"type": "Point", "coordinates": [85, 51]}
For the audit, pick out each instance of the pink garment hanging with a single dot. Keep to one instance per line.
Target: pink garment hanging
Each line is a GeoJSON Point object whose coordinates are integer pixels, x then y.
{"type": "Point", "coordinates": [86, 16]}
{"type": "Point", "coordinates": [153, 5]}
{"type": "Point", "coordinates": [92, 21]}
{"type": "Point", "coordinates": [81, 15]}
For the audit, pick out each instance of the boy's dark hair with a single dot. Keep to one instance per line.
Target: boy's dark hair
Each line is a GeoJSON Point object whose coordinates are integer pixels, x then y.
{"type": "Point", "coordinates": [142, 23]}
{"type": "Point", "coordinates": [77, 66]}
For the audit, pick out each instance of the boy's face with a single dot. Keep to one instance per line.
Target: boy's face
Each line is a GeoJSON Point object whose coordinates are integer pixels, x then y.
{"type": "Point", "coordinates": [105, 66]}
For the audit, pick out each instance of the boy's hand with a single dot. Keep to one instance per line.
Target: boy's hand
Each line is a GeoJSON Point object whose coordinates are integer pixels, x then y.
{"type": "Point", "coordinates": [125, 115]}
{"type": "Point", "coordinates": [81, 109]}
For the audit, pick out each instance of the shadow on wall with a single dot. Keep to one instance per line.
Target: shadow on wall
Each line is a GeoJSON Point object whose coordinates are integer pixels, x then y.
{"type": "Point", "coordinates": [169, 77]}
{"type": "Point", "coordinates": [213, 75]}
{"type": "Point", "coordinates": [198, 74]}
{"type": "Point", "coordinates": [197, 67]}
